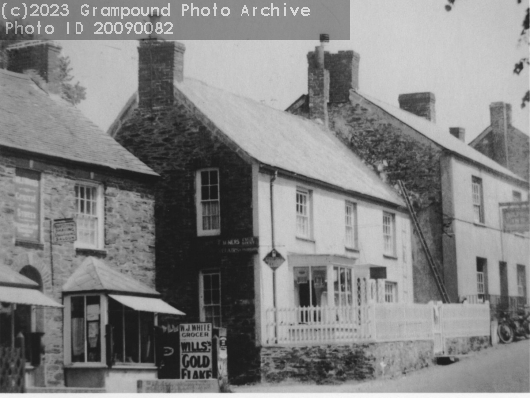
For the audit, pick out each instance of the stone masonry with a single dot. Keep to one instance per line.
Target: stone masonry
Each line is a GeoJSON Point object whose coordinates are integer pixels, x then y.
{"type": "Point", "coordinates": [129, 236]}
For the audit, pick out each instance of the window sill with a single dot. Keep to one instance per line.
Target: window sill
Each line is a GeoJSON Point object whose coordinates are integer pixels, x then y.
{"type": "Point", "coordinates": [90, 252]}
{"type": "Point", "coordinates": [134, 366]}
{"type": "Point", "coordinates": [29, 244]}
{"type": "Point", "coordinates": [86, 365]}
{"type": "Point", "coordinates": [479, 224]}
{"type": "Point", "coordinates": [390, 256]}
{"type": "Point", "coordinates": [305, 239]}
{"type": "Point", "coordinates": [351, 249]}
{"type": "Point", "coordinates": [201, 234]}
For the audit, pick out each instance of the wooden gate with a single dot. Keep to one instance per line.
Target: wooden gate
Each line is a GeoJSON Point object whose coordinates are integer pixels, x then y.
{"type": "Point", "coordinates": [12, 370]}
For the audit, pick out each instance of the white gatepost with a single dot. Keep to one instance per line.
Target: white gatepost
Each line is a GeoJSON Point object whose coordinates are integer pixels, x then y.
{"type": "Point", "coordinates": [437, 328]}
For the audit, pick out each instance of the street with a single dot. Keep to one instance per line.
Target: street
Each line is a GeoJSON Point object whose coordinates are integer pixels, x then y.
{"type": "Point", "coordinates": [503, 368]}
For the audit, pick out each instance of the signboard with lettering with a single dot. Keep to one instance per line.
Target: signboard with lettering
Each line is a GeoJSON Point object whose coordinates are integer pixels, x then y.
{"type": "Point", "coordinates": [196, 351]}
{"type": "Point", "coordinates": [516, 218]}
{"type": "Point", "coordinates": [239, 245]}
{"type": "Point", "coordinates": [27, 208]}
{"type": "Point", "coordinates": [168, 350]}
{"type": "Point", "coordinates": [64, 230]}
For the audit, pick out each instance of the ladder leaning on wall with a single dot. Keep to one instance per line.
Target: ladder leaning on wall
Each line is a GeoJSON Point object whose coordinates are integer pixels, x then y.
{"type": "Point", "coordinates": [430, 259]}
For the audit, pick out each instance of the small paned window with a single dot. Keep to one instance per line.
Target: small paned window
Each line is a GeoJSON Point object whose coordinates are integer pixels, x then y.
{"type": "Point", "coordinates": [390, 292]}
{"type": "Point", "coordinates": [351, 225]}
{"type": "Point", "coordinates": [211, 297]}
{"type": "Point", "coordinates": [478, 201]}
{"type": "Point", "coordinates": [389, 234]}
{"type": "Point", "coordinates": [208, 202]}
{"type": "Point", "coordinates": [303, 214]}
{"type": "Point", "coordinates": [481, 277]}
{"type": "Point", "coordinates": [89, 216]}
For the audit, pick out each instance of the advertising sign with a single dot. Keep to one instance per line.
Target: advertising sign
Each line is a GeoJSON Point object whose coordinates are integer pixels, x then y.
{"type": "Point", "coordinates": [196, 351]}
{"type": "Point", "coordinates": [517, 218]}
{"type": "Point", "coordinates": [64, 230]}
{"type": "Point", "coordinates": [248, 244]}
{"type": "Point", "coordinates": [168, 356]}
{"type": "Point", "coordinates": [27, 209]}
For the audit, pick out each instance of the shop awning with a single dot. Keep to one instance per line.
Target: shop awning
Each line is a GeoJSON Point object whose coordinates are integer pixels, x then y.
{"type": "Point", "coordinates": [147, 304]}
{"type": "Point", "coordinates": [19, 295]}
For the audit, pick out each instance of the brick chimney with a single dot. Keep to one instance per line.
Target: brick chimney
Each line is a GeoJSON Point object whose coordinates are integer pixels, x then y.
{"type": "Point", "coordinates": [160, 63]}
{"type": "Point", "coordinates": [501, 120]}
{"type": "Point", "coordinates": [343, 74]}
{"type": "Point", "coordinates": [318, 83]}
{"type": "Point", "coordinates": [39, 56]}
{"type": "Point", "coordinates": [421, 104]}
{"type": "Point", "coordinates": [458, 132]}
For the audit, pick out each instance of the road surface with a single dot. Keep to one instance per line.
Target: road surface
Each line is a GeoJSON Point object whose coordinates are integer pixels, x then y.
{"type": "Point", "coordinates": [503, 368]}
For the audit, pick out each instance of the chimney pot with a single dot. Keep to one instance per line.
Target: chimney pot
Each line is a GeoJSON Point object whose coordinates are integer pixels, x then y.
{"type": "Point", "coordinates": [458, 132]}
{"type": "Point", "coordinates": [324, 38]}
{"type": "Point", "coordinates": [420, 104]}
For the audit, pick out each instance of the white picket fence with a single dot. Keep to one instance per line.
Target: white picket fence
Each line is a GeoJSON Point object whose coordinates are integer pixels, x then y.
{"type": "Point", "coordinates": [378, 322]}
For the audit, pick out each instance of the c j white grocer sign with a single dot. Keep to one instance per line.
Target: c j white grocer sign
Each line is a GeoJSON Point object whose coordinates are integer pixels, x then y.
{"type": "Point", "coordinates": [196, 351]}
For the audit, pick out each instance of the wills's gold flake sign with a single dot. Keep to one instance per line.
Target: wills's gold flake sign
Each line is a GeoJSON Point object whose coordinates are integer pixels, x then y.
{"type": "Point", "coordinates": [196, 351]}
{"type": "Point", "coordinates": [27, 209]}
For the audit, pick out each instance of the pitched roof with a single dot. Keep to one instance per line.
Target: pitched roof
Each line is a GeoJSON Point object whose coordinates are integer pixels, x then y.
{"type": "Point", "coordinates": [440, 137]}
{"type": "Point", "coordinates": [35, 121]}
{"type": "Point", "coordinates": [279, 139]}
{"type": "Point", "coordinates": [94, 275]}
{"type": "Point", "coordinates": [10, 277]}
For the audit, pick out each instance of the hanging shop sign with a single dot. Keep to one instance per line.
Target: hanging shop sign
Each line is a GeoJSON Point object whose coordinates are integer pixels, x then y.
{"type": "Point", "coordinates": [516, 217]}
{"type": "Point", "coordinates": [64, 230]}
{"type": "Point", "coordinates": [274, 259]}
{"type": "Point", "coordinates": [239, 245]}
{"type": "Point", "coordinates": [27, 208]}
{"type": "Point", "coordinates": [196, 351]}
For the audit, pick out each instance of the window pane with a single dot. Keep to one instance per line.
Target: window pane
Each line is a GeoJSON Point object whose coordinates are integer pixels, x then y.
{"type": "Point", "coordinates": [147, 322]}
{"type": "Point", "coordinates": [205, 178]}
{"type": "Point", "coordinates": [78, 328]}
{"type": "Point", "coordinates": [131, 335]}
{"type": "Point", "coordinates": [92, 312]}
{"type": "Point", "coordinates": [116, 321]}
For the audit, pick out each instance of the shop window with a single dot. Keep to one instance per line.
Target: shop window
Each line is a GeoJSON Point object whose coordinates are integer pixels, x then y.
{"type": "Point", "coordinates": [311, 286]}
{"type": "Point", "coordinates": [351, 225]}
{"type": "Point", "coordinates": [15, 319]}
{"type": "Point", "coordinates": [208, 202]}
{"type": "Point", "coordinates": [303, 214]}
{"type": "Point", "coordinates": [521, 280]}
{"type": "Point", "coordinates": [85, 318]}
{"type": "Point", "coordinates": [132, 334]}
{"type": "Point", "coordinates": [389, 234]}
{"type": "Point", "coordinates": [478, 200]}
{"type": "Point", "coordinates": [210, 297]}
{"type": "Point", "coordinates": [390, 292]}
{"type": "Point", "coordinates": [89, 215]}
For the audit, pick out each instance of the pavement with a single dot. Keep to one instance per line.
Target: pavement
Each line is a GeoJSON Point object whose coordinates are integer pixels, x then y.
{"type": "Point", "coordinates": [502, 368]}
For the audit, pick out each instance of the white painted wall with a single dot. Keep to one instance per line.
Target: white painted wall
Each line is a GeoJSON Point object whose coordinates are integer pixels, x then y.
{"type": "Point", "coordinates": [328, 209]}
{"type": "Point", "coordinates": [486, 241]}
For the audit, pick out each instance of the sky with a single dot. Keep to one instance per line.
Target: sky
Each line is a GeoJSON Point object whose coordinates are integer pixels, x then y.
{"type": "Point", "coordinates": [465, 57]}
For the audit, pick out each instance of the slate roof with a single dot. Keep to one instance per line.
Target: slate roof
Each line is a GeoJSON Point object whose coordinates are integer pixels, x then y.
{"type": "Point", "coordinates": [94, 275]}
{"type": "Point", "coordinates": [439, 136]}
{"type": "Point", "coordinates": [10, 277]}
{"type": "Point", "coordinates": [35, 121]}
{"type": "Point", "coordinates": [280, 139]}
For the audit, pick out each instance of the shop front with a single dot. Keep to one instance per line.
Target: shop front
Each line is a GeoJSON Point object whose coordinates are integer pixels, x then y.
{"type": "Point", "coordinates": [109, 328]}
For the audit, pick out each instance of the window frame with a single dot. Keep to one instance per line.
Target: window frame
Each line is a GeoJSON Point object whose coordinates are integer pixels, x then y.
{"type": "Point", "coordinates": [353, 243]}
{"type": "Point", "coordinates": [100, 215]}
{"type": "Point", "coordinates": [482, 263]}
{"type": "Point", "coordinates": [478, 194]}
{"type": "Point", "coordinates": [198, 202]}
{"type": "Point", "coordinates": [391, 292]}
{"type": "Point", "coordinates": [203, 305]}
{"type": "Point", "coordinates": [392, 250]}
{"type": "Point", "coordinates": [303, 192]}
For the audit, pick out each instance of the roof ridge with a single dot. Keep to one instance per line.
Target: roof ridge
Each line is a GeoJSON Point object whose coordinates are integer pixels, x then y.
{"type": "Point", "coordinates": [15, 74]}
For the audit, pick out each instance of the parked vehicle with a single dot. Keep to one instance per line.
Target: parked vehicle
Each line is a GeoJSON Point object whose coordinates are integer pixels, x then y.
{"type": "Point", "coordinates": [513, 325]}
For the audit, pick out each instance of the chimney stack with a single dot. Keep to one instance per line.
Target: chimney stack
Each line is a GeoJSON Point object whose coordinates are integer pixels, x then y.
{"type": "Point", "coordinates": [458, 132]}
{"type": "Point", "coordinates": [318, 82]}
{"type": "Point", "coordinates": [421, 104]}
{"type": "Point", "coordinates": [39, 56]}
{"type": "Point", "coordinates": [501, 120]}
{"type": "Point", "coordinates": [160, 63]}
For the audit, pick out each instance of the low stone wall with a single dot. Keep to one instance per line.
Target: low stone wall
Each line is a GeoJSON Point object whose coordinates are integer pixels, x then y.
{"type": "Point", "coordinates": [337, 363]}
{"type": "Point", "coordinates": [464, 345]}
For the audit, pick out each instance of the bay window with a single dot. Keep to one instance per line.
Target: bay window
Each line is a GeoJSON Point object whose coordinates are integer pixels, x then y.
{"type": "Point", "coordinates": [85, 321]}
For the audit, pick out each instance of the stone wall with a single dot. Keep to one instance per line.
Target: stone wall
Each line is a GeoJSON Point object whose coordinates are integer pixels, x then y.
{"type": "Point", "coordinates": [465, 345]}
{"type": "Point", "coordinates": [176, 143]}
{"type": "Point", "coordinates": [129, 238]}
{"type": "Point", "coordinates": [337, 363]}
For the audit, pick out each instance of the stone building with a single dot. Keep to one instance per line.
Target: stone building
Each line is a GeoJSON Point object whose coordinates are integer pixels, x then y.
{"type": "Point", "coordinates": [241, 182]}
{"type": "Point", "coordinates": [56, 165]}
{"type": "Point", "coordinates": [457, 192]}
{"type": "Point", "coordinates": [503, 142]}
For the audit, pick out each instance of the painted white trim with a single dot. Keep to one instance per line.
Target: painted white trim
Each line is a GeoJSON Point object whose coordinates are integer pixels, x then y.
{"type": "Point", "coordinates": [100, 203]}
{"type": "Point", "coordinates": [198, 202]}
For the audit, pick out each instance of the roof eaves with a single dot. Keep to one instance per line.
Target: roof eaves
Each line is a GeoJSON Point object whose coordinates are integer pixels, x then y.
{"type": "Point", "coordinates": [479, 137]}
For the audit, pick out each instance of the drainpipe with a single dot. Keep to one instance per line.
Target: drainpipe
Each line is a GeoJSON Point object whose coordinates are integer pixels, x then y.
{"type": "Point", "coordinates": [273, 178]}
